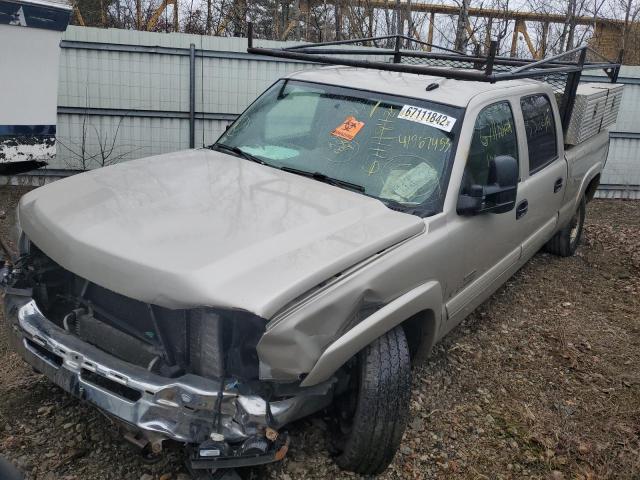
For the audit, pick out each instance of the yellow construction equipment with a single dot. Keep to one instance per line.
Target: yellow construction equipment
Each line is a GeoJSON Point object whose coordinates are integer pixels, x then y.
{"type": "Point", "coordinates": [153, 21]}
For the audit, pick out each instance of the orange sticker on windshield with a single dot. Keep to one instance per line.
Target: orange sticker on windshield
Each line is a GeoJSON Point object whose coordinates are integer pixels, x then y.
{"type": "Point", "coordinates": [348, 129]}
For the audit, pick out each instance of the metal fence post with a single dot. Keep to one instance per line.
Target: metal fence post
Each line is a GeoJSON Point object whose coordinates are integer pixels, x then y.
{"type": "Point", "coordinates": [397, 56]}
{"type": "Point", "coordinates": [192, 96]}
{"type": "Point", "coordinates": [491, 57]}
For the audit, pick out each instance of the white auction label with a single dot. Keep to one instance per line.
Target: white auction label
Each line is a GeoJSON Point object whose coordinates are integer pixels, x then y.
{"type": "Point", "coordinates": [427, 117]}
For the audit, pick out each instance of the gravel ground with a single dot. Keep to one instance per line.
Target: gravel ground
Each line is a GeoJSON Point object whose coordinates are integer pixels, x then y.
{"type": "Point", "coordinates": [542, 381]}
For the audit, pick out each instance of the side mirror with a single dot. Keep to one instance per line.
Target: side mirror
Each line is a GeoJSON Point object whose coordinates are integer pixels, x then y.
{"type": "Point", "coordinates": [499, 196]}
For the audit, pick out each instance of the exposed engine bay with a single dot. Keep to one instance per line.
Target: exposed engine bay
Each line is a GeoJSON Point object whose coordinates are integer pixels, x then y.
{"type": "Point", "coordinates": [146, 335]}
{"type": "Point", "coordinates": [186, 375]}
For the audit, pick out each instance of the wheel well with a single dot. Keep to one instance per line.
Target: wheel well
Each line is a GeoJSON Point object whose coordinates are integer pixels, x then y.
{"type": "Point", "coordinates": [420, 330]}
{"type": "Point", "coordinates": [592, 187]}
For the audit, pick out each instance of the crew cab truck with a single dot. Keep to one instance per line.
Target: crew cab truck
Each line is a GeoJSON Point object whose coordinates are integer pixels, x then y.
{"type": "Point", "coordinates": [343, 224]}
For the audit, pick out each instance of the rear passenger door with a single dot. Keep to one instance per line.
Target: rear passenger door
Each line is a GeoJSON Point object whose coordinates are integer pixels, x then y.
{"type": "Point", "coordinates": [542, 188]}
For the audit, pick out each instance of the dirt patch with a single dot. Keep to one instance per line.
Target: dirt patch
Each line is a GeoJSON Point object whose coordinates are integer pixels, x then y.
{"type": "Point", "coordinates": [542, 381]}
{"type": "Point", "coordinates": [9, 197]}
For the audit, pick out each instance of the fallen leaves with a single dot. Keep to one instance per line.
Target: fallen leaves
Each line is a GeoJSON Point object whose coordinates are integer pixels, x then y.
{"type": "Point", "coordinates": [541, 382]}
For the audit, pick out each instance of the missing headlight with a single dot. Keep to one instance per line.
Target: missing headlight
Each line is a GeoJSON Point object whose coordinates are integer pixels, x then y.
{"type": "Point", "coordinates": [223, 343]}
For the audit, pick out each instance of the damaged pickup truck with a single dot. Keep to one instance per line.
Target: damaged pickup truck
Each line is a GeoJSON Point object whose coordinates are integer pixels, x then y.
{"type": "Point", "coordinates": [342, 225]}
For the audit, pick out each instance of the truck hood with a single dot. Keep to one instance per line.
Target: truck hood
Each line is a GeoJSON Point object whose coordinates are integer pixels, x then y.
{"type": "Point", "coordinates": [202, 228]}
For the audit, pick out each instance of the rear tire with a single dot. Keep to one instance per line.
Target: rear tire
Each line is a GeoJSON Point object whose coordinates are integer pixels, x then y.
{"type": "Point", "coordinates": [372, 415]}
{"type": "Point", "coordinates": [566, 241]}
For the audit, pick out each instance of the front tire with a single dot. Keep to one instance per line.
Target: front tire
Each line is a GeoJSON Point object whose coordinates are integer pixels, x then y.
{"type": "Point", "coordinates": [566, 241]}
{"type": "Point", "coordinates": [372, 415]}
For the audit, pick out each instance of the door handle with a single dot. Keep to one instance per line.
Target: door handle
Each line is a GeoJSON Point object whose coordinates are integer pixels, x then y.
{"type": "Point", "coordinates": [521, 209]}
{"type": "Point", "coordinates": [557, 186]}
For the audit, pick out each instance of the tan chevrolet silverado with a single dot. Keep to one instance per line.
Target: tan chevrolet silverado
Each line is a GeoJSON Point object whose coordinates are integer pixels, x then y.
{"type": "Point", "coordinates": [342, 225]}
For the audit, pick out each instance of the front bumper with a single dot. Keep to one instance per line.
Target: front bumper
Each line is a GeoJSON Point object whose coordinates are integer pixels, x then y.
{"type": "Point", "coordinates": [183, 408]}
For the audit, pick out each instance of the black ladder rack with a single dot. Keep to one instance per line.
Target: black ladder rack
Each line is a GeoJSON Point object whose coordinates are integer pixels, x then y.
{"type": "Point", "coordinates": [562, 71]}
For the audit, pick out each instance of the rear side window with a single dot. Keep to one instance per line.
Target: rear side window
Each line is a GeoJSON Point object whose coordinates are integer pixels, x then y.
{"type": "Point", "coordinates": [541, 131]}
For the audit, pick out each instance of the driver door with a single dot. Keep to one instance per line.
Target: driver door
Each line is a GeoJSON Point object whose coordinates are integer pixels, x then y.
{"type": "Point", "coordinates": [487, 244]}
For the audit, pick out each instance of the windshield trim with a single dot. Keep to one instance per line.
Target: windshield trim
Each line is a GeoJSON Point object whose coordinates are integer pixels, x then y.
{"type": "Point", "coordinates": [419, 210]}
{"type": "Point", "coordinates": [293, 79]}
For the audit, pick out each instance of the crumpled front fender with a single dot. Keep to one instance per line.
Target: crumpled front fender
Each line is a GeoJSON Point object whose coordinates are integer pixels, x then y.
{"type": "Point", "coordinates": [346, 314]}
{"type": "Point", "coordinates": [377, 324]}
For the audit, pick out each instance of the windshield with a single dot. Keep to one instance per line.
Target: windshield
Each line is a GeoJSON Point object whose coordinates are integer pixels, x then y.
{"type": "Point", "coordinates": [393, 148]}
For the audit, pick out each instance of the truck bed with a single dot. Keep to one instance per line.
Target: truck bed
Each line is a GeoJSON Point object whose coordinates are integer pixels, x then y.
{"type": "Point", "coordinates": [584, 160]}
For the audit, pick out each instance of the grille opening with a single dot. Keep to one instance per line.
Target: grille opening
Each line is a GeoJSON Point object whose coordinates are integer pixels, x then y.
{"type": "Point", "coordinates": [128, 329]}
{"type": "Point", "coordinates": [149, 336]}
{"type": "Point", "coordinates": [44, 353]}
{"type": "Point", "coordinates": [114, 387]}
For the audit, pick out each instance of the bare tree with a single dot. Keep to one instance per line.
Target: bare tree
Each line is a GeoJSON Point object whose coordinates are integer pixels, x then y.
{"type": "Point", "coordinates": [103, 152]}
{"type": "Point", "coordinates": [316, 20]}
{"type": "Point", "coordinates": [463, 20]}
{"type": "Point", "coordinates": [631, 10]}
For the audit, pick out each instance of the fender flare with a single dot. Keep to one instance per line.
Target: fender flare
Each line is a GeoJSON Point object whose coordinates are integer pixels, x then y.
{"type": "Point", "coordinates": [427, 296]}
{"type": "Point", "coordinates": [592, 173]}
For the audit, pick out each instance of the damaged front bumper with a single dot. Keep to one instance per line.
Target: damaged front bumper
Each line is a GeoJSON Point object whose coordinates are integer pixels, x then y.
{"type": "Point", "coordinates": [183, 409]}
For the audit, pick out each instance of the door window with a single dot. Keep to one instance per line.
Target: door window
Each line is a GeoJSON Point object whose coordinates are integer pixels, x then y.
{"type": "Point", "coordinates": [541, 131]}
{"type": "Point", "coordinates": [494, 134]}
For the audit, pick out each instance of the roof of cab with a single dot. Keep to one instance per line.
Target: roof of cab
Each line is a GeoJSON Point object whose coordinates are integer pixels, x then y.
{"type": "Point", "coordinates": [452, 92]}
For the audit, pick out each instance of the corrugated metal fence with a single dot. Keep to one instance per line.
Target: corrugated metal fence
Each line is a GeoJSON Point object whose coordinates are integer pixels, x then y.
{"type": "Point", "coordinates": [127, 94]}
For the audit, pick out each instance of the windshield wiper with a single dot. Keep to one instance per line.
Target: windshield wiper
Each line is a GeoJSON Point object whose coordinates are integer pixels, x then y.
{"type": "Point", "coordinates": [325, 178]}
{"type": "Point", "coordinates": [410, 209]}
{"type": "Point", "coordinates": [394, 204]}
{"type": "Point", "coordinates": [239, 152]}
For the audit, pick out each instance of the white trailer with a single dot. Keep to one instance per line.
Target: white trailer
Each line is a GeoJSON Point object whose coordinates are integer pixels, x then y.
{"type": "Point", "coordinates": [30, 33]}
